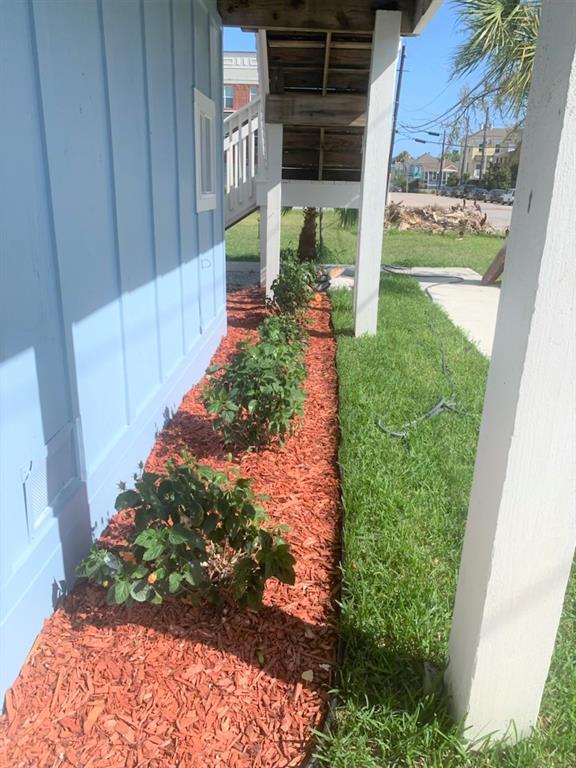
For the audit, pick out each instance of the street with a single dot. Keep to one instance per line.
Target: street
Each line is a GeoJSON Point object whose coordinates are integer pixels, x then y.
{"type": "Point", "coordinates": [498, 215]}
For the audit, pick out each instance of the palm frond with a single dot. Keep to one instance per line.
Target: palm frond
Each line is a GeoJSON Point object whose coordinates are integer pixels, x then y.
{"type": "Point", "coordinates": [500, 41]}
{"type": "Point", "coordinates": [347, 218]}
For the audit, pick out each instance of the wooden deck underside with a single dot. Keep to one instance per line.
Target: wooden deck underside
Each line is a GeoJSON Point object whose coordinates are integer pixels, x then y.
{"type": "Point", "coordinates": [318, 57]}
{"type": "Point", "coordinates": [320, 66]}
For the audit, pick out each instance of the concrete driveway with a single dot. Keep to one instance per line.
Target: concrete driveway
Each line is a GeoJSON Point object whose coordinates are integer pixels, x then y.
{"type": "Point", "coordinates": [498, 215]}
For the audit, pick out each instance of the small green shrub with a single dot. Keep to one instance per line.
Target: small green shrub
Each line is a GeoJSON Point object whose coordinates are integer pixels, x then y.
{"type": "Point", "coordinates": [283, 329]}
{"type": "Point", "coordinates": [294, 287]}
{"type": "Point", "coordinates": [197, 531]}
{"type": "Point", "coordinates": [257, 395]}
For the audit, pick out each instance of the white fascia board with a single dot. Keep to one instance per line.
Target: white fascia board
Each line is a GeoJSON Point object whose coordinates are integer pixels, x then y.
{"type": "Point", "coordinates": [425, 17]}
{"type": "Point", "coordinates": [318, 194]}
{"type": "Point", "coordinates": [262, 57]}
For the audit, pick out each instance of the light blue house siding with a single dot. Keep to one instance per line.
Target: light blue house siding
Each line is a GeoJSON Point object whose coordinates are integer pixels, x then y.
{"type": "Point", "coordinates": [112, 286]}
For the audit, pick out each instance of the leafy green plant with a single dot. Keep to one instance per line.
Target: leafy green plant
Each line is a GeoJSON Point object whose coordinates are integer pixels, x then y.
{"type": "Point", "coordinates": [196, 531]}
{"type": "Point", "coordinates": [283, 329]}
{"type": "Point", "coordinates": [499, 40]}
{"type": "Point", "coordinates": [292, 290]}
{"type": "Point", "coordinates": [257, 395]}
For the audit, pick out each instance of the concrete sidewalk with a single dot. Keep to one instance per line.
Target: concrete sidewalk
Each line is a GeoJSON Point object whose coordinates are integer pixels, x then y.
{"type": "Point", "coordinates": [471, 306]}
{"type": "Point", "coordinates": [242, 274]}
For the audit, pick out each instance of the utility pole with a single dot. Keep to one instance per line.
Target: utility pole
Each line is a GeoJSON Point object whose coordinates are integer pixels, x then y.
{"type": "Point", "coordinates": [483, 156]}
{"type": "Point", "coordinates": [463, 163]}
{"type": "Point", "coordinates": [395, 118]}
{"type": "Point", "coordinates": [439, 180]}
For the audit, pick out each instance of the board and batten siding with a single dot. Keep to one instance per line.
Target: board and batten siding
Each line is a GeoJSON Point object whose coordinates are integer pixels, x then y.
{"type": "Point", "coordinates": [112, 286]}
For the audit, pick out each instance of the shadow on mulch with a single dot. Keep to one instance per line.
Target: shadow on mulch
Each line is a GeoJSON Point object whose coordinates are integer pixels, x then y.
{"type": "Point", "coordinates": [117, 685]}
{"type": "Point", "coordinates": [242, 633]}
{"type": "Point", "coordinates": [321, 334]}
{"type": "Point", "coordinates": [177, 434]}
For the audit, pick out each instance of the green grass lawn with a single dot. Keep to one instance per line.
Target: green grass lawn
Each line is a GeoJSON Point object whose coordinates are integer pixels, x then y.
{"type": "Point", "coordinates": [411, 249]}
{"type": "Point", "coordinates": [405, 506]}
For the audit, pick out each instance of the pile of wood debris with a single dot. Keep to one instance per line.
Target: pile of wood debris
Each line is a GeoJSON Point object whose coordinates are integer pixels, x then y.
{"type": "Point", "coordinates": [461, 218]}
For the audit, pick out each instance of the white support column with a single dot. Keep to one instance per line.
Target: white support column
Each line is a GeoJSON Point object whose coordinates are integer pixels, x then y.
{"type": "Point", "coordinates": [521, 530]}
{"type": "Point", "coordinates": [271, 208]}
{"type": "Point", "coordinates": [377, 138]}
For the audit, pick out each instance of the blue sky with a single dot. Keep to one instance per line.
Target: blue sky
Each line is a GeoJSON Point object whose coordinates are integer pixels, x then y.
{"type": "Point", "coordinates": [427, 90]}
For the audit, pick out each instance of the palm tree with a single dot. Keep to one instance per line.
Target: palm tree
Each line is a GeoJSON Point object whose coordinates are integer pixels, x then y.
{"type": "Point", "coordinates": [307, 250]}
{"type": "Point", "coordinates": [501, 40]}
{"type": "Point", "coordinates": [401, 157]}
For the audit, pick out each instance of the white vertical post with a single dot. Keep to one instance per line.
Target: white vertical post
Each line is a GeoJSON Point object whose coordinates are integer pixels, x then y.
{"type": "Point", "coordinates": [250, 153]}
{"type": "Point", "coordinates": [271, 210]}
{"type": "Point", "coordinates": [244, 157]}
{"type": "Point", "coordinates": [377, 138]}
{"type": "Point", "coordinates": [521, 529]}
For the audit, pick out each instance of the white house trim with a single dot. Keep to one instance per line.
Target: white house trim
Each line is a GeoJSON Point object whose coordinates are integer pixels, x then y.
{"type": "Point", "coordinates": [262, 57]}
{"type": "Point", "coordinates": [204, 119]}
{"type": "Point", "coordinates": [377, 138]}
{"type": "Point", "coordinates": [521, 530]}
{"type": "Point", "coordinates": [321, 194]}
{"type": "Point", "coordinates": [424, 17]}
{"type": "Point", "coordinates": [271, 208]}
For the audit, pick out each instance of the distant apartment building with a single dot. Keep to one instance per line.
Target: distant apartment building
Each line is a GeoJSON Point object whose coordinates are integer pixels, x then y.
{"type": "Point", "coordinates": [240, 79]}
{"type": "Point", "coordinates": [500, 142]}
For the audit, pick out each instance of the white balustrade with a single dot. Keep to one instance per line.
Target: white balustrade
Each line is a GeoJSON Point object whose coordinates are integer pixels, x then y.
{"type": "Point", "coordinates": [242, 158]}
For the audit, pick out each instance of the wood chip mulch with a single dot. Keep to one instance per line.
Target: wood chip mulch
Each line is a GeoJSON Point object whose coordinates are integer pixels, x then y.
{"type": "Point", "coordinates": [176, 685]}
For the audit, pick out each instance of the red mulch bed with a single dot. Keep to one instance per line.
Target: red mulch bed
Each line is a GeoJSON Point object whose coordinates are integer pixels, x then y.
{"type": "Point", "coordinates": [176, 685]}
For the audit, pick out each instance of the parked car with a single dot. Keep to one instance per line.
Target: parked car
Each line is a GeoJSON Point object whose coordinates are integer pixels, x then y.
{"type": "Point", "coordinates": [508, 197]}
{"type": "Point", "coordinates": [480, 193]}
{"type": "Point", "coordinates": [467, 191]}
{"type": "Point", "coordinates": [495, 195]}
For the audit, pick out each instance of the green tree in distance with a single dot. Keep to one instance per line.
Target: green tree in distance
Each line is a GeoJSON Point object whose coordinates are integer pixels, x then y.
{"type": "Point", "coordinates": [402, 157]}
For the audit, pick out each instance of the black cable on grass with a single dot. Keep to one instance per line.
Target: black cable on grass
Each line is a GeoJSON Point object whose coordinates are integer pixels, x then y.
{"type": "Point", "coordinates": [443, 403]}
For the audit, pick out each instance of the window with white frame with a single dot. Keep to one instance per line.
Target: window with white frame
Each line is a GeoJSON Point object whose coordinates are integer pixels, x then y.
{"type": "Point", "coordinates": [228, 97]}
{"type": "Point", "coordinates": [253, 92]}
{"type": "Point", "coordinates": [205, 128]}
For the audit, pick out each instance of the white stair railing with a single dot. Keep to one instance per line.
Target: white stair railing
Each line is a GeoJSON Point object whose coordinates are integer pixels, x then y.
{"type": "Point", "coordinates": [242, 157]}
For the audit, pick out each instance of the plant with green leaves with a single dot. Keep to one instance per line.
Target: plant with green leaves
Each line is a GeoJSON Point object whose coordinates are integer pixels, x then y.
{"type": "Point", "coordinates": [196, 532]}
{"type": "Point", "coordinates": [293, 289]}
{"type": "Point", "coordinates": [284, 329]}
{"type": "Point", "coordinates": [256, 397]}
{"type": "Point", "coordinates": [500, 41]}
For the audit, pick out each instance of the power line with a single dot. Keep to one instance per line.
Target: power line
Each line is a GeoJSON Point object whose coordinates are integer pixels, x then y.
{"type": "Point", "coordinates": [449, 144]}
{"type": "Point", "coordinates": [456, 111]}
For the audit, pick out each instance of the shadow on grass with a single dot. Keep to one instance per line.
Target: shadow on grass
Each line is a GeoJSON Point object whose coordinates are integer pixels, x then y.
{"type": "Point", "coordinates": [382, 674]}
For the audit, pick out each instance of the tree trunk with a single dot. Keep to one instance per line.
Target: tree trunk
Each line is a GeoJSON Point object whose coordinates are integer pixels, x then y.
{"type": "Point", "coordinates": [307, 241]}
